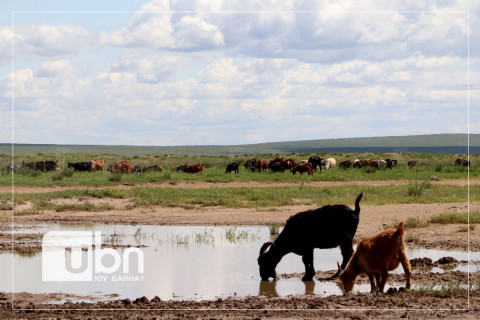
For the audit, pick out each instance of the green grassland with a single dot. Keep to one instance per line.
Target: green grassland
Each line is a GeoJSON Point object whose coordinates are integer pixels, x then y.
{"type": "Point", "coordinates": [429, 167]}
{"type": "Point", "coordinates": [243, 197]}
{"type": "Point", "coordinates": [147, 188]}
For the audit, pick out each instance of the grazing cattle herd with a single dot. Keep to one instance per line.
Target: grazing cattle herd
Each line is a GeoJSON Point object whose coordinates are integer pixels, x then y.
{"type": "Point", "coordinates": [278, 164]}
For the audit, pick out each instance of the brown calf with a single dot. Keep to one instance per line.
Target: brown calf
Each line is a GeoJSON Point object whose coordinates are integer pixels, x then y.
{"type": "Point", "coordinates": [306, 167]}
{"type": "Point", "coordinates": [375, 256]}
{"type": "Point", "coordinates": [98, 165]}
{"type": "Point", "coordinates": [122, 166]}
{"type": "Point", "coordinates": [262, 165]}
{"type": "Point", "coordinates": [345, 164]}
{"type": "Point", "coordinates": [30, 165]}
{"type": "Point", "coordinates": [195, 168]}
{"type": "Point", "coordinates": [412, 163]}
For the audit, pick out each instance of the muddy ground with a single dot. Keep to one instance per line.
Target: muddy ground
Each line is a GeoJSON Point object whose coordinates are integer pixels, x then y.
{"type": "Point", "coordinates": [414, 304]}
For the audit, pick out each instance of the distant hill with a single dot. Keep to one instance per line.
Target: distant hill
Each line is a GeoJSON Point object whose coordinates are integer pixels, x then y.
{"type": "Point", "coordinates": [436, 143]}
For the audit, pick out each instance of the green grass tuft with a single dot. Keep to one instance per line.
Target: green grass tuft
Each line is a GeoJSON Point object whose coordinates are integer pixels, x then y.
{"type": "Point", "coordinates": [456, 217]}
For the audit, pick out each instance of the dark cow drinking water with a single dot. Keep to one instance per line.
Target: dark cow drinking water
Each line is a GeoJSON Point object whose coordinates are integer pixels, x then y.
{"type": "Point", "coordinates": [326, 227]}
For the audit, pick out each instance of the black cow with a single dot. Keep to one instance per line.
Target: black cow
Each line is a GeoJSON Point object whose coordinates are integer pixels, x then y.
{"type": "Point", "coordinates": [250, 163]}
{"type": "Point", "coordinates": [232, 167]}
{"type": "Point", "coordinates": [277, 167]}
{"type": "Point", "coordinates": [51, 165]}
{"type": "Point", "coordinates": [316, 162]}
{"type": "Point", "coordinates": [153, 168]}
{"type": "Point", "coordinates": [136, 168]}
{"type": "Point", "coordinates": [182, 168]}
{"type": "Point", "coordinates": [40, 165]}
{"type": "Point", "coordinates": [391, 163]}
{"type": "Point", "coordinates": [81, 166]}
{"type": "Point", "coordinates": [12, 167]}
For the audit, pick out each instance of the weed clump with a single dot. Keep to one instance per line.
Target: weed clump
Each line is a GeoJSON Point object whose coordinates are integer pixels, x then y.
{"type": "Point", "coordinates": [65, 173]}
{"type": "Point", "coordinates": [115, 177]}
{"type": "Point", "coordinates": [274, 228]}
{"type": "Point", "coordinates": [413, 223]}
{"type": "Point", "coordinates": [416, 189]}
{"type": "Point", "coordinates": [456, 217]}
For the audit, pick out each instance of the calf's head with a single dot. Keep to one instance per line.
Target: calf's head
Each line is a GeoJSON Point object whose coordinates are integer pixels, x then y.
{"type": "Point", "coordinates": [347, 279]}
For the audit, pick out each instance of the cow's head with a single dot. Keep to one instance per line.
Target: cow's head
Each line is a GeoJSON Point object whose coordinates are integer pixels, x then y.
{"type": "Point", "coordinates": [266, 262]}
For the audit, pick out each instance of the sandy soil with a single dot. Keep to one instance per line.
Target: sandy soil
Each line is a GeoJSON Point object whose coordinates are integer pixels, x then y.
{"type": "Point", "coordinates": [413, 304]}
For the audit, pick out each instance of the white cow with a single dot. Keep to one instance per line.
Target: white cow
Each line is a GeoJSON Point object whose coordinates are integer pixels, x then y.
{"type": "Point", "coordinates": [382, 164]}
{"type": "Point", "coordinates": [330, 163]}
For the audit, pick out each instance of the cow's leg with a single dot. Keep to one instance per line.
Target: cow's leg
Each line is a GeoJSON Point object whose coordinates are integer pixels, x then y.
{"type": "Point", "coordinates": [372, 283]}
{"type": "Point", "coordinates": [307, 259]}
{"type": "Point", "coordinates": [347, 250]}
{"type": "Point", "coordinates": [383, 281]}
{"type": "Point", "coordinates": [378, 279]}
{"type": "Point", "coordinates": [406, 268]}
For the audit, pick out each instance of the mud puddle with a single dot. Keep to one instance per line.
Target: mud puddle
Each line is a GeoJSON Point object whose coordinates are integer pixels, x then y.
{"type": "Point", "coordinates": [181, 263]}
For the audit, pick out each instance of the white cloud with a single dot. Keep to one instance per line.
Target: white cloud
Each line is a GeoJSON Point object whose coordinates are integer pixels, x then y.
{"type": "Point", "coordinates": [49, 40]}
{"type": "Point", "coordinates": [340, 71]}
{"type": "Point", "coordinates": [196, 33]}
{"type": "Point", "coordinates": [58, 68]}
{"type": "Point", "coordinates": [153, 70]}
{"type": "Point", "coordinates": [154, 27]}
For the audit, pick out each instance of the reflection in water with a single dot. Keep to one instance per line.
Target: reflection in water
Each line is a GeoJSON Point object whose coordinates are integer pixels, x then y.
{"type": "Point", "coordinates": [309, 287]}
{"type": "Point", "coordinates": [269, 288]}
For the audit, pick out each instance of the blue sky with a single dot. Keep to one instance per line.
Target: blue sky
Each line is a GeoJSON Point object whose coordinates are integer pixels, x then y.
{"type": "Point", "coordinates": [235, 72]}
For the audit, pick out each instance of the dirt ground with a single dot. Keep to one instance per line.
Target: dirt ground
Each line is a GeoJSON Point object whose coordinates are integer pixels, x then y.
{"type": "Point", "coordinates": [461, 304]}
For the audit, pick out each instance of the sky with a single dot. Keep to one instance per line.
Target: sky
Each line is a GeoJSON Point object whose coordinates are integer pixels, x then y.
{"type": "Point", "coordinates": [201, 72]}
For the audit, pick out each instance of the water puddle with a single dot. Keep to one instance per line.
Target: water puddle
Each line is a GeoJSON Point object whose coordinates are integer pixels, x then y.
{"type": "Point", "coordinates": [186, 262]}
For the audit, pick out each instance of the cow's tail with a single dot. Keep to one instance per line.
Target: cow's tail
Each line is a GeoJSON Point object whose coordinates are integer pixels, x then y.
{"type": "Point", "coordinates": [357, 203]}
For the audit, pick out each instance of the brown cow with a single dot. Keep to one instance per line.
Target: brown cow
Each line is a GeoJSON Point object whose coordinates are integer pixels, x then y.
{"type": "Point", "coordinates": [30, 165]}
{"type": "Point", "coordinates": [345, 164]}
{"type": "Point", "coordinates": [412, 163]}
{"type": "Point", "coordinates": [261, 165]}
{"type": "Point", "coordinates": [306, 167]}
{"type": "Point", "coordinates": [122, 166]}
{"type": "Point", "coordinates": [195, 168]}
{"type": "Point", "coordinates": [272, 162]}
{"type": "Point", "coordinates": [375, 256]}
{"type": "Point", "coordinates": [98, 165]}
{"type": "Point", "coordinates": [288, 164]}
